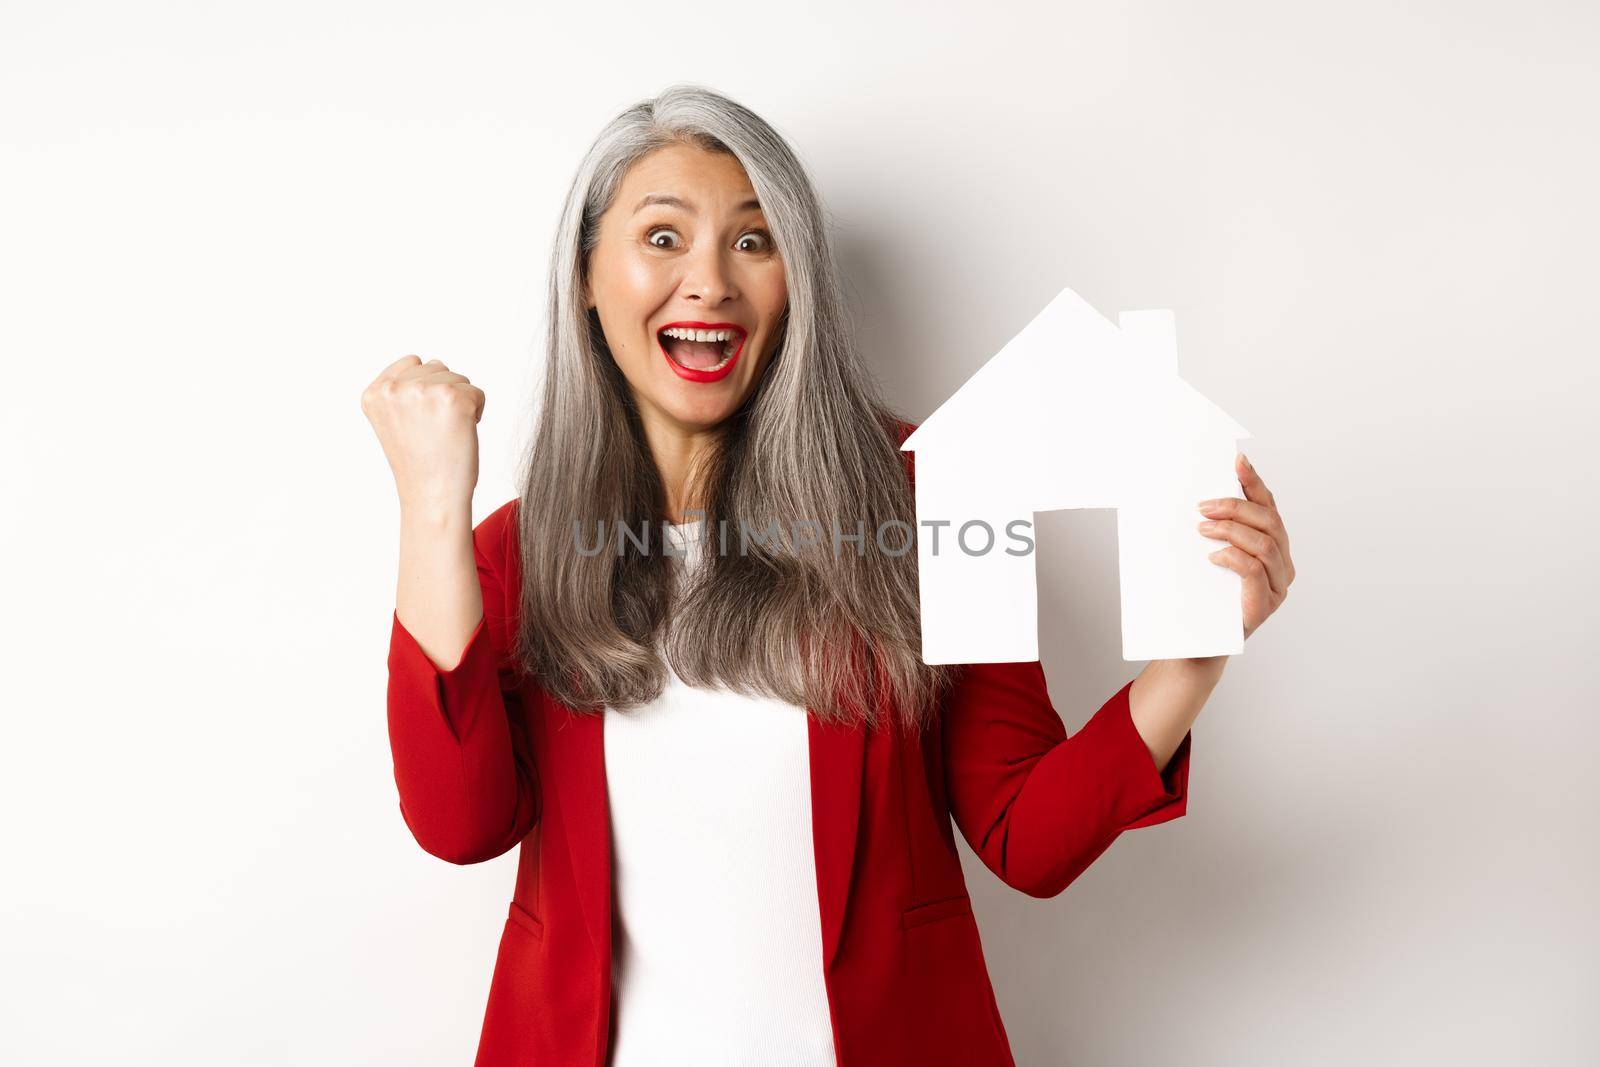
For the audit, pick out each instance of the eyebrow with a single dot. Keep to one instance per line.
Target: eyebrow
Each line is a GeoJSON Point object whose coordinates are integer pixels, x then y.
{"type": "Point", "coordinates": [673, 201]}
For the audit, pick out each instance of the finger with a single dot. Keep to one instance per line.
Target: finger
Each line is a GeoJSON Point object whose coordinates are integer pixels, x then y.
{"type": "Point", "coordinates": [440, 374]}
{"type": "Point", "coordinates": [1265, 519]}
{"type": "Point", "coordinates": [1257, 544]}
{"type": "Point", "coordinates": [478, 399]}
{"type": "Point", "coordinates": [1258, 493]}
{"type": "Point", "coordinates": [1254, 488]}
{"type": "Point", "coordinates": [400, 365]}
{"type": "Point", "coordinates": [1249, 569]}
{"type": "Point", "coordinates": [430, 370]}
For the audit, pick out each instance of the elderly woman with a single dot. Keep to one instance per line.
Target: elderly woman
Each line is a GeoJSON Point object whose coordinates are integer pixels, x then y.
{"type": "Point", "coordinates": [730, 776]}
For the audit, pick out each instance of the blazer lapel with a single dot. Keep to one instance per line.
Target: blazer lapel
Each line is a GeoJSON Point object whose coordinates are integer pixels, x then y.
{"type": "Point", "coordinates": [576, 763]}
{"type": "Point", "coordinates": [837, 758]}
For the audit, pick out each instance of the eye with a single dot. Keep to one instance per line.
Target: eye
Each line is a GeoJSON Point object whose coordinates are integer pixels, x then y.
{"type": "Point", "coordinates": [650, 237]}
{"type": "Point", "coordinates": [764, 240]}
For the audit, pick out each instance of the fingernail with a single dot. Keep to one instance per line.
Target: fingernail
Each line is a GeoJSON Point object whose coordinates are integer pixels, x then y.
{"type": "Point", "coordinates": [1208, 526]}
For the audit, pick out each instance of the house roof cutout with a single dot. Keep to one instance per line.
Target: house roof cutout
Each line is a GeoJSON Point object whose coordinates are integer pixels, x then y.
{"type": "Point", "coordinates": [1076, 412]}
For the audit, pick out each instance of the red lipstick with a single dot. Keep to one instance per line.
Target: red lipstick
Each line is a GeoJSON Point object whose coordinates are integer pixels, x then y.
{"type": "Point", "coordinates": [694, 374]}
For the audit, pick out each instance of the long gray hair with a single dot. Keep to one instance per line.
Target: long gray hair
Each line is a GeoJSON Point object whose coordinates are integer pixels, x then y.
{"type": "Point", "coordinates": [835, 632]}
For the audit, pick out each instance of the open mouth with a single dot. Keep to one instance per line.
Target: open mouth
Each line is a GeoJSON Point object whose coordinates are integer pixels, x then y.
{"type": "Point", "coordinates": [701, 349]}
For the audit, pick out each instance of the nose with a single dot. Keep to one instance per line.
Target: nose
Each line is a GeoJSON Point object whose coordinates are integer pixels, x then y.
{"type": "Point", "coordinates": [708, 280]}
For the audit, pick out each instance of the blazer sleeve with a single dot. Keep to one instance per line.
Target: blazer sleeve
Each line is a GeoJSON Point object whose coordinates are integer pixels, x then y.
{"type": "Point", "coordinates": [1037, 806]}
{"type": "Point", "coordinates": [463, 762]}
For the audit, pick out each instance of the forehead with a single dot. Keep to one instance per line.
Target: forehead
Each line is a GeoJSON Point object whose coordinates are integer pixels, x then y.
{"type": "Point", "coordinates": [706, 180]}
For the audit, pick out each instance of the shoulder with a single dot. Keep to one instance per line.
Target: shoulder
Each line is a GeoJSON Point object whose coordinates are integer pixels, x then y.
{"type": "Point", "coordinates": [899, 430]}
{"type": "Point", "coordinates": [498, 526]}
{"type": "Point", "coordinates": [495, 539]}
{"type": "Point", "coordinates": [495, 544]}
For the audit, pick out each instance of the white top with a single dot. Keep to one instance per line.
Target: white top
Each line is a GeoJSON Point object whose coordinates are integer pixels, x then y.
{"type": "Point", "coordinates": [718, 933]}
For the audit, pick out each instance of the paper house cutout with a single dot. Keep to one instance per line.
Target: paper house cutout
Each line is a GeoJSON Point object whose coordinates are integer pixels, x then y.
{"type": "Point", "coordinates": [1075, 412]}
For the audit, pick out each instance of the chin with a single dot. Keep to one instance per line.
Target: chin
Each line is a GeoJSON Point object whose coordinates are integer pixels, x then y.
{"type": "Point", "coordinates": [705, 415]}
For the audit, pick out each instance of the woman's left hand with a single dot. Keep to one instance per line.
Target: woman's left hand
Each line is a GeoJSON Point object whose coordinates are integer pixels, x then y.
{"type": "Point", "coordinates": [1258, 549]}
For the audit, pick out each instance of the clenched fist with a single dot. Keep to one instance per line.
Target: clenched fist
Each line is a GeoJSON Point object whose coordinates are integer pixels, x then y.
{"type": "Point", "coordinates": [426, 417]}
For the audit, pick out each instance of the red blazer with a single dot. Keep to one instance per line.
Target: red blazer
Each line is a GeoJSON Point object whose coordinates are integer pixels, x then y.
{"type": "Point", "coordinates": [485, 761]}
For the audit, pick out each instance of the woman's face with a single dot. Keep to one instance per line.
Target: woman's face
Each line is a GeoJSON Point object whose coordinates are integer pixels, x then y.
{"type": "Point", "coordinates": [684, 247]}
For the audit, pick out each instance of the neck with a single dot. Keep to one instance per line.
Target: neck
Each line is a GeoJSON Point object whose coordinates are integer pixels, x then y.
{"type": "Point", "coordinates": [678, 451]}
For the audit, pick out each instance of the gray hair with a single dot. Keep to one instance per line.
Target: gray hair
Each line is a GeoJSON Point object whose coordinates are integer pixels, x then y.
{"type": "Point", "coordinates": [836, 633]}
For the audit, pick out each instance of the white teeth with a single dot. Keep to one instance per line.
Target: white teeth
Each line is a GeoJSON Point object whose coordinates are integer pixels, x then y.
{"type": "Point", "coordinates": [684, 334]}
{"type": "Point", "coordinates": [730, 340]}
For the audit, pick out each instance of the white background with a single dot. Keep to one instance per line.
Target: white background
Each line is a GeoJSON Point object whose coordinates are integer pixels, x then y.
{"type": "Point", "coordinates": [1377, 229]}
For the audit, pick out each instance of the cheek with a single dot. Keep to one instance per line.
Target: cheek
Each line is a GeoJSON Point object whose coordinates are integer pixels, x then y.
{"type": "Point", "coordinates": [775, 291]}
{"type": "Point", "coordinates": [632, 286]}
{"type": "Point", "coordinates": [631, 290]}
{"type": "Point", "coordinates": [639, 280]}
